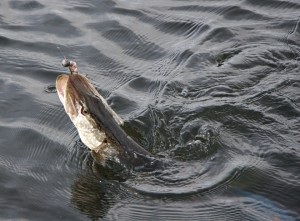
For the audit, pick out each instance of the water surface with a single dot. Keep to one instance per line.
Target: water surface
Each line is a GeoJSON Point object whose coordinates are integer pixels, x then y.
{"type": "Point", "coordinates": [211, 86]}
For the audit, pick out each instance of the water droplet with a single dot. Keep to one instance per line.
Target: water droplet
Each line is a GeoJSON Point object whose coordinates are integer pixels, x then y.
{"type": "Point", "coordinates": [184, 92]}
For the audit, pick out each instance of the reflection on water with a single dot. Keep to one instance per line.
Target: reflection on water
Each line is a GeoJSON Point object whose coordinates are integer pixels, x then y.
{"type": "Point", "coordinates": [210, 87]}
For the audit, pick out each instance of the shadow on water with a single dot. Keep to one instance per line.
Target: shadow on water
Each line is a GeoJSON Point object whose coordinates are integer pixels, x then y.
{"type": "Point", "coordinates": [96, 190]}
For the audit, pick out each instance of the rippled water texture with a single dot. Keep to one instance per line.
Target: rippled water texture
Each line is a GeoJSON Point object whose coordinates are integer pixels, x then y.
{"type": "Point", "coordinates": [211, 86]}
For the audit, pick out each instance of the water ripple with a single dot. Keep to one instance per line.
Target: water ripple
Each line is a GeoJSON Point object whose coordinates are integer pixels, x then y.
{"type": "Point", "coordinates": [210, 88]}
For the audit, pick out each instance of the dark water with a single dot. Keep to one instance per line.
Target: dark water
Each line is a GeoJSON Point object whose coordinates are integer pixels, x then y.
{"type": "Point", "coordinates": [211, 85]}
